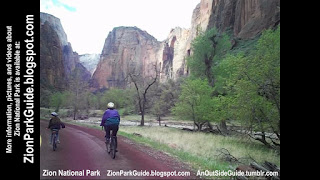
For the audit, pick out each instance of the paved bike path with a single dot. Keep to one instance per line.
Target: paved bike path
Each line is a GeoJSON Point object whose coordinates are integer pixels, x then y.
{"type": "Point", "coordinates": [82, 150]}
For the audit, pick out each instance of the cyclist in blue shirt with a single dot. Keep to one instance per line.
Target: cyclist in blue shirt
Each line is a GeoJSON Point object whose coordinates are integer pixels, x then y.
{"type": "Point", "coordinates": [110, 121]}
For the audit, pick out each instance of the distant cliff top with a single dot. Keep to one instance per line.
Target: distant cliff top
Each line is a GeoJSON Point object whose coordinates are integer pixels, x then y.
{"type": "Point", "coordinates": [55, 23]}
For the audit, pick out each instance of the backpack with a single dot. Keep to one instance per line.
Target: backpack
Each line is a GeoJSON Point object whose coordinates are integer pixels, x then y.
{"type": "Point", "coordinates": [112, 121]}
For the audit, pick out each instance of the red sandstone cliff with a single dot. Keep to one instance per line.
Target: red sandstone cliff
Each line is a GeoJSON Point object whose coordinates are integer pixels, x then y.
{"type": "Point", "coordinates": [126, 49]}
{"type": "Point", "coordinates": [131, 48]}
{"type": "Point", "coordinates": [246, 18]}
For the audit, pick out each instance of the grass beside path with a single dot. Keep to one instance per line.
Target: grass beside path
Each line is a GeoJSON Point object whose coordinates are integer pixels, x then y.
{"type": "Point", "coordinates": [201, 150]}
{"type": "Point", "coordinates": [196, 162]}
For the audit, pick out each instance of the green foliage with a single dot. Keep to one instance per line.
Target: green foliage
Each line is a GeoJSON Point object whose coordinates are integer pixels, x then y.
{"type": "Point", "coordinates": [45, 96]}
{"type": "Point", "coordinates": [209, 49]}
{"type": "Point", "coordinates": [246, 84]}
{"type": "Point", "coordinates": [165, 98]}
{"type": "Point", "coordinates": [195, 101]}
{"type": "Point", "coordinates": [93, 100]}
{"type": "Point", "coordinates": [56, 101]}
{"type": "Point", "coordinates": [123, 99]}
{"type": "Point", "coordinates": [81, 100]}
{"type": "Point", "coordinates": [221, 108]}
{"type": "Point", "coordinates": [202, 48]}
{"type": "Point", "coordinates": [252, 84]}
{"type": "Point", "coordinates": [263, 73]}
{"type": "Point", "coordinates": [114, 95]}
{"type": "Point", "coordinates": [160, 108]}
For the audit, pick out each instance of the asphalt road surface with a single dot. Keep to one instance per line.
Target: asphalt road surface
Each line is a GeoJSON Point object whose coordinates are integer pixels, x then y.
{"type": "Point", "coordinates": [82, 155]}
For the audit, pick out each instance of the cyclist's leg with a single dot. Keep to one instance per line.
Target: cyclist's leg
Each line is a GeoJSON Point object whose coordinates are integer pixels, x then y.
{"type": "Point", "coordinates": [58, 140]}
{"type": "Point", "coordinates": [52, 135]}
{"type": "Point", "coordinates": [107, 136]}
{"type": "Point", "coordinates": [107, 128]}
{"type": "Point", "coordinates": [115, 129]}
{"type": "Point", "coordinates": [51, 138]}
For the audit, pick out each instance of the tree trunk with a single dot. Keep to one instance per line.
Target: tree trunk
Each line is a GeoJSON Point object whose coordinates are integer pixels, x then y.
{"type": "Point", "coordinates": [194, 125]}
{"type": "Point", "coordinates": [223, 127]}
{"type": "Point", "coordinates": [74, 114]}
{"type": "Point", "coordinates": [193, 118]}
{"type": "Point", "coordinates": [143, 108]}
{"type": "Point", "coordinates": [198, 126]}
{"type": "Point", "coordinates": [201, 125]}
{"type": "Point", "coordinates": [142, 119]}
{"type": "Point", "coordinates": [144, 100]}
{"type": "Point", "coordinates": [159, 119]}
{"type": "Point", "coordinates": [208, 63]}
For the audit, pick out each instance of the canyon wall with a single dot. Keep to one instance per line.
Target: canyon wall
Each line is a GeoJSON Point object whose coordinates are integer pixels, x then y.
{"type": "Point", "coordinates": [246, 18]}
{"type": "Point", "coordinates": [173, 54]}
{"type": "Point", "coordinates": [57, 59]}
{"type": "Point", "coordinates": [131, 49]}
{"type": "Point", "coordinates": [126, 49]}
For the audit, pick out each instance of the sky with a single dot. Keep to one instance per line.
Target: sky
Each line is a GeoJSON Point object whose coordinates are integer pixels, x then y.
{"type": "Point", "coordinates": [87, 23]}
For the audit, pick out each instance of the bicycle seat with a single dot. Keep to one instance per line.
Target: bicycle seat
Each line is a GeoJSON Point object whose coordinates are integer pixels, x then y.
{"type": "Point", "coordinates": [55, 130]}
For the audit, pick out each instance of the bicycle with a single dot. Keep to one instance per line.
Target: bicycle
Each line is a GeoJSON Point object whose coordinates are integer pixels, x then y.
{"type": "Point", "coordinates": [112, 147]}
{"type": "Point", "coordinates": [54, 139]}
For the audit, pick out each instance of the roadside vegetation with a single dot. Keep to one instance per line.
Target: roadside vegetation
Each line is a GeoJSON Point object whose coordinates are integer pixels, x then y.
{"type": "Point", "coordinates": [202, 150]}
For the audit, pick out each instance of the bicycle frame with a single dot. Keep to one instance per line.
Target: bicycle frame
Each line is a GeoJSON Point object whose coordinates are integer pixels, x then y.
{"type": "Point", "coordinates": [54, 139]}
{"type": "Point", "coordinates": [112, 146]}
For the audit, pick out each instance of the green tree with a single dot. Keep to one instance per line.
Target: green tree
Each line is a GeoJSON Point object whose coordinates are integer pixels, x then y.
{"type": "Point", "coordinates": [208, 50]}
{"type": "Point", "coordinates": [252, 86]}
{"type": "Point", "coordinates": [143, 86]}
{"type": "Point", "coordinates": [123, 99]}
{"type": "Point", "coordinates": [45, 96]}
{"type": "Point", "coordinates": [195, 102]}
{"type": "Point", "coordinates": [164, 99]}
{"type": "Point", "coordinates": [159, 109]}
{"type": "Point", "coordinates": [113, 95]}
{"type": "Point", "coordinates": [78, 90]}
{"type": "Point", "coordinates": [56, 100]}
{"type": "Point", "coordinates": [93, 101]}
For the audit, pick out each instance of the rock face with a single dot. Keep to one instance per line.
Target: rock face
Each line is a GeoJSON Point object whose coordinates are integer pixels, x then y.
{"type": "Point", "coordinates": [128, 48]}
{"type": "Point", "coordinates": [246, 18]}
{"type": "Point", "coordinates": [90, 61]}
{"type": "Point", "coordinates": [52, 72]}
{"type": "Point", "coordinates": [57, 59]}
{"type": "Point", "coordinates": [174, 52]}
{"type": "Point", "coordinates": [56, 26]}
{"type": "Point", "coordinates": [251, 17]}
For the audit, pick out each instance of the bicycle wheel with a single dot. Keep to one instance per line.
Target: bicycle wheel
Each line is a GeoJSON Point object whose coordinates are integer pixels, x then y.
{"type": "Point", "coordinates": [113, 148]}
{"type": "Point", "coordinates": [108, 147]}
{"type": "Point", "coordinates": [54, 143]}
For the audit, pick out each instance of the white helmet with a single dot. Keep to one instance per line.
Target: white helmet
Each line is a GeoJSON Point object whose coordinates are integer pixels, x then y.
{"type": "Point", "coordinates": [111, 105]}
{"type": "Point", "coordinates": [54, 114]}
